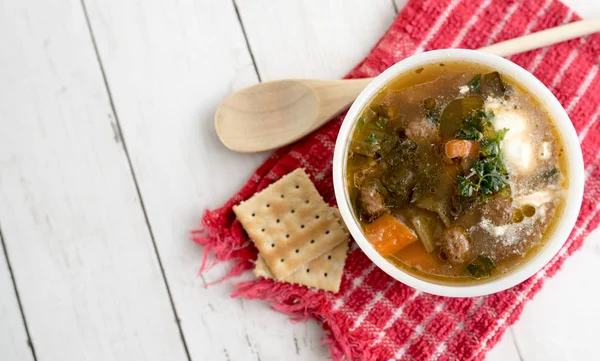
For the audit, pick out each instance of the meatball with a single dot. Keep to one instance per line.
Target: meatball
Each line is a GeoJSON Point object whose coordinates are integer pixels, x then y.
{"type": "Point", "coordinates": [372, 203]}
{"type": "Point", "coordinates": [422, 132]}
{"type": "Point", "coordinates": [454, 245]}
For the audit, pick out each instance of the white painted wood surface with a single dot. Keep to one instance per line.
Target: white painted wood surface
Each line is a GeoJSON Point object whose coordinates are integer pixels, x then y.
{"type": "Point", "coordinates": [74, 228]}
{"type": "Point", "coordinates": [79, 246]}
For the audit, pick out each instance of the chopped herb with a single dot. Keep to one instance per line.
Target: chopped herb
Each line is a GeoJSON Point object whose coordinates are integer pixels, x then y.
{"type": "Point", "coordinates": [481, 267]}
{"type": "Point", "coordinates": [473, 125]}
{"type": "Point", "coordinates": [475, 83]}
{"type": "Point", "coordinates": [468, 133]}
{"type": "Point", "coordinates": [360, 124]}
{"type": "Point", "coordinates": [488, 175]}
{"type": "Point", "coordinates": [490, 147]}
{"type": "Point", "coordinates": [371, 138]}
{"type": "Point", "coordinates": [466, 188]}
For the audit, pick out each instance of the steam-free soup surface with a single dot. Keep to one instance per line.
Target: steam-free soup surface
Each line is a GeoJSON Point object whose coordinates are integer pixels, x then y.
{"type": "Point", "coordinates": [455, 173]}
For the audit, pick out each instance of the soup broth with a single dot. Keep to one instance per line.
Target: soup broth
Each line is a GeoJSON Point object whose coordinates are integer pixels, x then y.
{"type": "Point", "coordinates": [456, 173]}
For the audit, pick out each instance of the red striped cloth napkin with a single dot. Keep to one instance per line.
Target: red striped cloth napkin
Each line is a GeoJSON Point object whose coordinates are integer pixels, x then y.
{"type": "Point", "coordinates": [374, 317]}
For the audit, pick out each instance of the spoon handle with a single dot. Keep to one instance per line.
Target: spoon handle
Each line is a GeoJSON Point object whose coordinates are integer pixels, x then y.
{"type": "Point", "coordinates": [544, 38]}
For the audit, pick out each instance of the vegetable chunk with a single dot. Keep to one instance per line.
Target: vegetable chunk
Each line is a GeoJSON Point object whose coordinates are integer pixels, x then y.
{"type": "Point", "coordinates": [459, 148]}
{"type": "Point", "coordinates": [389, 235]}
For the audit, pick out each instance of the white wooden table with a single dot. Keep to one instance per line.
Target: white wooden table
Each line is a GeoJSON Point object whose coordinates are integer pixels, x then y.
{"type": "Point", "coordinates": [108, 158]}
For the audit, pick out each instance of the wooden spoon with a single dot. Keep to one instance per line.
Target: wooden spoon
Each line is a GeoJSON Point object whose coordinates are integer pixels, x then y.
{"type": "Point", "coordinates": [276, 113]}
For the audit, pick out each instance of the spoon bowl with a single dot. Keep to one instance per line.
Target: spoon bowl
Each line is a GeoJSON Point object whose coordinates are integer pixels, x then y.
{"type": "Point", "coordinates": [277, 113]}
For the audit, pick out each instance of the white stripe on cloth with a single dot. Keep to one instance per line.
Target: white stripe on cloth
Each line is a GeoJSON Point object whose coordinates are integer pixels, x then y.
{"type": "Point", "coordinates": [583, 88]}
{"type": "Point", "coordinates": [590, 124]}
{"type": "Point", "coordinates": [538, 59]}
{"type": "Point", "coordinates": [369, 307]}
{"type": "Point", "coordinates": [458, 40]}
{"type": "Point", "coordinates": [418, 331]}
{"type": "Point", "coordinates": [509, 13]}
{"type": "Point", "coordinates": [355, 284]}
{"type": "Point", "coordinates": [540, 13]}
{"type": "Point", "coordinates": [395, 316]}
{"type": "Point", "coordinates": [461, 325]}
{"type": "Point", "coordinates": [572, 55]}
{"type": "Point", "coordinates": [592, 167]}
{"type": "Point", "coordinates": [436, 27]}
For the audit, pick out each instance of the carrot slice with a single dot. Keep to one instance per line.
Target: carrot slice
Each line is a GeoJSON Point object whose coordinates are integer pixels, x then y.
{"type": "Point", "coordinates": [415, 255]}
{"type": "Point", "coordinates": [461, 148]}
{"type": "Point", "coordinates": [388, 235]}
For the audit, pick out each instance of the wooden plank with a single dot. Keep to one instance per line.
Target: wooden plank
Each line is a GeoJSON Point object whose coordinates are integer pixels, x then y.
{"type": "Point", "coordinates": [79, 246]}
{"type": "Point", "coordinates": [505, 349]}
{"type": "Point", "coordinates": [312, 39]}
{"type": "Point", "coordinates": [168, 66]}
{"type": "Point", "coordinates": [13, 337]}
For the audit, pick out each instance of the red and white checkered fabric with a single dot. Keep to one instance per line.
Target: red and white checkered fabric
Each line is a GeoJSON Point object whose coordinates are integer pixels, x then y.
{"type": "Point", "coordinates": [374, 317]}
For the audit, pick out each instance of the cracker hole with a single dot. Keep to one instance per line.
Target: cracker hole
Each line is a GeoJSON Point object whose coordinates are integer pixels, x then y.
{"type": "Point", "coordinates": [326, 232]}
{"type": "Point", "coordinates": [262, 230]}
{"type": "Point", "coordinates": [272, 245]}
{"type": "Point", "coordinates": [297, 250]}
{"type": "Point", "coordinates": [281, 260]}
{"type": "Point", "coordinates": [253, 214]}
{"type": "Point", "coordinates": [268, 205]}
{"type": "Point", "coordinates": [329, 257]}
{"type": "Point", "coordinates": [317, 216]}
{"type": "Point", "coordinates": [287, 236]}
{"type": "Point", "coordinates": [325, 274]}
{"type": "Point", "coordinates": [312, 241]}
{"type": "Point", "coordinates": [293, 211]}
{"type": "Point", "coordinates": [306, 201]}
{"type": "Point", "coordinates": [277, 220]}
{"type": "Point", "coordinates": [297, 186]}
{"type": "Point", "coordinates": [282, 196]}
{"type": "Point", "coordinates": [307, 270]}
{"type": "Point", "coordinates": [301, 226]}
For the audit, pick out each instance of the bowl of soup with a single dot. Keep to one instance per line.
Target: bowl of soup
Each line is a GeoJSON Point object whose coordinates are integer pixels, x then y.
{"type": "Point", "coordinates": [458, 173]}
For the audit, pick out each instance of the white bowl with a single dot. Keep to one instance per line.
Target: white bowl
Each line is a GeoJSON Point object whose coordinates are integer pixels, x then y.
{"type": "Point", "coordinates": [574, 193]}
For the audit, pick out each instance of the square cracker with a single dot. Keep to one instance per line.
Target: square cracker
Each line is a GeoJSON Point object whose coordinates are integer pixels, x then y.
{"type": "Point", "coordinates": [290, 224]}
{"type": "Point", "coordinates": [324, 273]}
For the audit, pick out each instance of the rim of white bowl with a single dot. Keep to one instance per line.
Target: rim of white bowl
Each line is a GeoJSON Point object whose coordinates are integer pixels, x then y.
{"type": "Point", "coordinates": [574, 193]}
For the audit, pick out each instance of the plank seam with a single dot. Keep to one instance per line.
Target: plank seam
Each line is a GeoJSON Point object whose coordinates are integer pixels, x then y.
{"type": "Point", "coordinates": [239, 17]}
{"type": "Point", "coordinates": [514, 337]}
{"type": "Point", "coordinates": [14, 282]}
{"type": "Point", "coordinates": [134, 178]}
